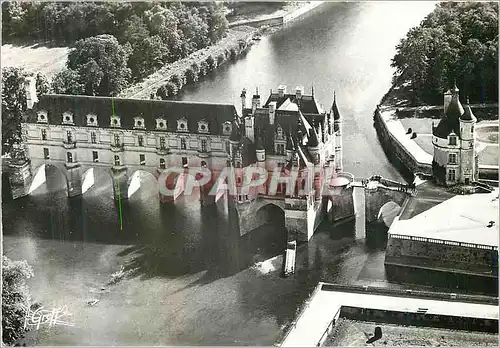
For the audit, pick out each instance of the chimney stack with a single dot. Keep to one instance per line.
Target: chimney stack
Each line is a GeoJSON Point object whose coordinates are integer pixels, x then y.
{"type": "Point", "coordinates": [272, 112]}
{"type": "Point", "coordinates": [30, 87]}
{"type": "Point", "coordinates": [281, 91]}
{"type": "Point", "coordinates": [255, 100]}
{"type": "Point", "coordinates": [249, 128]}
{"type": "Point", "coordinates": [299, 92]}
{"type": "Point", "coordinates": [243, 97]}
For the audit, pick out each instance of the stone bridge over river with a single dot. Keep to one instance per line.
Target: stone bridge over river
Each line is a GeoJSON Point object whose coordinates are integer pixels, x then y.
{"type": "Point", "coordinates": [376, 198]}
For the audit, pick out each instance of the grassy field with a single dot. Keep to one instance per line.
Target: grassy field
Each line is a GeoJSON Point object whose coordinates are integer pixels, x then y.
{"type": "Point", "coordinates": [35, 58]}
{"type": "Point", "coordinates": [350, 333]}
{"type": "Point", "coordinates": [488, 137]}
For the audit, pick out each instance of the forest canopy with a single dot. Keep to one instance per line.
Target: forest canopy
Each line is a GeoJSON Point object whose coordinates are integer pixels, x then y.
{"type": "Point", "coordinates": [457, 42]}
{"type": "Point", "coordinates": [153, 33]}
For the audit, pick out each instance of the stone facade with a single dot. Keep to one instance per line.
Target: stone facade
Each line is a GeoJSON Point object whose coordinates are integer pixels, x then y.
{"type": "Point", "coordinates": [288, 133]}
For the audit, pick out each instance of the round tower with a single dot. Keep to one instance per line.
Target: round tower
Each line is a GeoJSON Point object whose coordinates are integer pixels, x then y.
{"type": "Point", "coordinates": [467, 146]}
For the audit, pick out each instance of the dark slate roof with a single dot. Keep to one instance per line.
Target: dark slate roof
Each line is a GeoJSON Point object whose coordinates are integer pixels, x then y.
{"type": "Point", "coordinates": [259, 144]}
{"type": "Point", "coordinates": [247, 152]}
{"type": "Point", "coordinates": [127, 109]}
{"type": "Point", "coordinates": [450, 122]}
{"type": "Point", "coordinates": [235, 132]}
{"type": "Point", "coordinates": [307, 103]}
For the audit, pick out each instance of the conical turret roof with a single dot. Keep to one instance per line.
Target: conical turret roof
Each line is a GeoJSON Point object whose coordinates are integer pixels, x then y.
{"type": "Point", "coordinates": [468, 115]}
{"type": "Point", "coordinates": [450, 122]}
{"type": "Point", "coordinates": [335, 109]}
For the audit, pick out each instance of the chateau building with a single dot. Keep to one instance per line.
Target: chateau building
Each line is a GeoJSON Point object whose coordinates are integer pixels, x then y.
{"type": "Point", "coordinates": [288, 132]}
{"type": "Point", "coordinates": [455, 157]}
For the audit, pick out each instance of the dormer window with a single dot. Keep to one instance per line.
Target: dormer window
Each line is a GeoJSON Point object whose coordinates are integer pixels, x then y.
{"type": "Point", "coordinates": [139, 123]}
{"type": "Point", "coordinates": [203, 126]}
{"type": "Point", "coordinates": [453, 140]}
{"type": "Point", "coordinates": [67, 118]}
{"type": "Point", "coordinates": [279, 133]}
{"type": "Point", "coordinates": [227, 128]}
{"type": "Point", "coordinates": [91, 120]}
{"type": "Point", "coordinates": [182, 125]}
{"type": "Point", "coordinates": [161, 124]}
{"type": "Point", "coordinates": [42, 117]}
{"type": "Point", "coordinates": [115, 121]}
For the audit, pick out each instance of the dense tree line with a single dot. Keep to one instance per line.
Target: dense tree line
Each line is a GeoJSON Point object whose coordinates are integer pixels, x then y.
{"type": "Point", "coordinates": [115, 43]}
{"type": "Point", "coordinates": [196, 71]}
{"type": "Point", "coordinates": [456, 42]}
{"type": "Point", "coordinates": [14, 102]}
{"type": "Point", "coordinates": [16, 298]}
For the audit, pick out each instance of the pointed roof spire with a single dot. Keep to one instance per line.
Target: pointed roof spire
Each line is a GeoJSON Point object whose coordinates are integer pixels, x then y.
{"type": "Point", "coordinates": [312, 90]}
{"type": "Point", "coordinates": [468, 115]}
{"type": "Point", "coordinates": [455, 88]}
{"type": "Point", "coordinates": [335, 109]}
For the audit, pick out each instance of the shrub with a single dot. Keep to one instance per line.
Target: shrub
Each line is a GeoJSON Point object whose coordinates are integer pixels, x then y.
{"type": "Point", "coordinates": [232, 53]}
{"type": "Point", "coordinates": [171, 89]}
{"type": "Point", "coordinates": [220, 59]}
{"type": "Point", "coordinates": [210, 62]}
{"type": "Point", "coordinates": [177, 81]}
{"type": "Point", "coordinates": [203, 69]}
{"type": "Point", "coordinates": [16, 298]}
{"type": "Point", "coordinates": [191, 76]}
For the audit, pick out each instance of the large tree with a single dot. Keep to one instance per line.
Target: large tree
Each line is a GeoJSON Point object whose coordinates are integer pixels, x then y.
{"type": "Point", "coordinates": [456, 42]}
{"type": "Point", "coordinates": [16, 298]}
{"type": "Point", "coordinates": [14, 102]}
{"type": "Point", "coordinates": [104, 58]}
{"type": "Point", "coordinates": [67, 82]}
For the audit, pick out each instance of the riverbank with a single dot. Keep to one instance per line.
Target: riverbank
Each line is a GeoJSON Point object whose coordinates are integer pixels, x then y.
{"type": "Point", "coordinates": [237, 42]}
{"type": "Point", "coordinates": [290, 12]}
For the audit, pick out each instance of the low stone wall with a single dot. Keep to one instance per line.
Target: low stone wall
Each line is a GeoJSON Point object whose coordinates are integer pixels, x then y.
{"type": "Point", "coordinates": [403, 159]}
{"type": "Point", "coordinates": [396, 152]}
{"type": "Point", "coordinates": [272, 22]}
{"type": "Point", "coordinates": [375, 199]}
{"type": "Point", "coordinates": [411, 293]}
{"type": "Point", "coordinates": [454, 257]}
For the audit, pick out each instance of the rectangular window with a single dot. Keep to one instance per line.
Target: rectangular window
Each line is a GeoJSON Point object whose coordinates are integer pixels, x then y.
{"type": "Point", "coordinates": [95, 156]}
{"type": "Point", "coordinates": [204, 145]}
{"type": "Point", "coordinates": [140, 140]}
{"type": "Point", "coordinates": [142, 159]}
{"type": "Point", "coordinates": [228, 147]}
{"type": "Point", "coordinates": [70, 157]}
{"type": "Point", "coordinates": [69, 136]}
{"type": "Point", "coordinates": [183, 144]}
{"type": "Point", "coordinates": [452, 158]}
{"type": "Point", "coordinates": [117, 139]}
{"type": "Point", "coordinates": [93, 138]}
{"type": "Point", "coordinates": [117, 160]}
{"type": "Point", "coordinates": [162, 143]}
{"type": "Point", "coordinates": [451, 175]}
{"type": "Point", "coordinates": [184, 162]}
{"type": "Point", "coordinates": [453, 140]}
{"type": "Point", "coordinates": [162, 163]}
{"type": "Point", "coordinates": [46, 153]}
{"type": "Point", "coordinates": [280, 149]}
{"type": "Point", "coordinates": [44, 134]}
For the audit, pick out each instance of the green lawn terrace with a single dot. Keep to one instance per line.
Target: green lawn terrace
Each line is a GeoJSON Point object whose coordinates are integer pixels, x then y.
{"type": "Point", "coordinates": [486, 137]}
{"type": "Point", "coordinates": [419, 117]}
{"type": "Point", "coordinates": [353, 333]}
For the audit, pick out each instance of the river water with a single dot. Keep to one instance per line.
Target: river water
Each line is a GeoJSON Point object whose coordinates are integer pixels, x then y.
{"type": "Point", "coordinates": [192, 284]}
